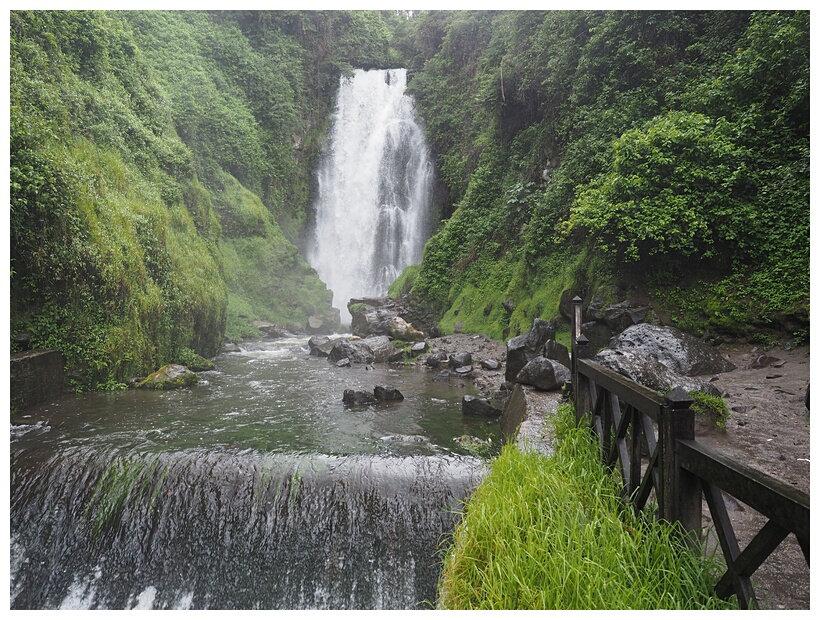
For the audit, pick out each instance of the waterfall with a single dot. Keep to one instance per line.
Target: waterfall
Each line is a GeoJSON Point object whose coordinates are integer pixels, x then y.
{"type": "Point", "coordinates": [374, 189]}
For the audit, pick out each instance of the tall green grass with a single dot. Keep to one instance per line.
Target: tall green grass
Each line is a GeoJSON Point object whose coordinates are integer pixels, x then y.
{"type": "Point", "coordinates": [550, 533]}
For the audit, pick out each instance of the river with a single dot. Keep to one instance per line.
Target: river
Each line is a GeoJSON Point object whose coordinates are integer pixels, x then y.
{"type": "Point", "coordinates": [255, 489]}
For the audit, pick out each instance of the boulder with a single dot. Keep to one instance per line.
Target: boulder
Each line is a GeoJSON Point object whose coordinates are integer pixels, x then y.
{"type": "Point", "coordinates": [565, 306]}
{"type": "Point", "coordinates": [396, 356]}
{"type": "Point", "coordinates": [556, 351]}
{"type": "Point", "coordinates": [315, 325]}
{"type": "Point", "coordinates": [545, 374]}
{"type": "Point", "coordinates": [598, 334]}
{"type": "Point", "coordinates": [396, 327]}
{"type": "Point", "coordinates": [229, 346]}
{"type": "Point", "coordinates": [679, 352]}
{"type": "Point", "coordinates": [356, 351]}
{"type": "Point", "coordinates": [624, 314]}
{"type": "Point", "coordinates": [169, 377]}
{"type": "Point", "coordinates": [527, 346]}
{"type": "Point", "coordinates": [387, 393]}
{"type": "Point", "coordinates": [381, 346]}
{"type": "Point", "coordinates": [490, 364]}
{"type": "Point", "coordinates": [272, 330]}
{"type": "Point", "coordinates": [435, 360]}
{"type": "Point", "coordinates": [604, 296]}
{"type": "Point", "coordinates": [462, 358]}
{"type": "Point", "coordinates": [343, 363]}
{"type": "Point", "coordinates": [645, 369]}
{"type": "Point", "coordinates": [419, 348]}
{"type": "Point", "coordinates": [356, 398]}
{"type": "Point", "coordinates": [463, 371]}
{"type": "Point", "coordinates": [474, 406]}
{"type": "Point", "coordinates": [381, 316]}
{"type": "Point", "coordinates": [316, 344]}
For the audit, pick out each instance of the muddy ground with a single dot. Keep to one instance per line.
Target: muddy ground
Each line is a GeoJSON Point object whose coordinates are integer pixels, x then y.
{"type": "Point", "coordinates": [768, 430]}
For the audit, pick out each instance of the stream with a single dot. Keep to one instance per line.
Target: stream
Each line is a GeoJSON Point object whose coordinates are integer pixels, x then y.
{"type": "Point", "coordinates": [255, 489]}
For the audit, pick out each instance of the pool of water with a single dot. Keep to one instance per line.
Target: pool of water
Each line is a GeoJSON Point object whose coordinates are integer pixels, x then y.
{"type": "Point", "coordinates": [272, 397]}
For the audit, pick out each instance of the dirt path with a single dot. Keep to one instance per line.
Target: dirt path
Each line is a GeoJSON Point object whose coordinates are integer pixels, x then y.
{"type": "Point", "coordinates": [768, 430]}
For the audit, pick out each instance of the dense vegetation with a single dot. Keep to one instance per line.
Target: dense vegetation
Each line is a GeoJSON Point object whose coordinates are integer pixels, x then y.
{"type": "Point", "coordinates": [160, 170]}
{"type": "Point", "coordinates": [664, 152]}
{"type": "Point", "coordinates": [551, 533]}
{"type": "Point", "coordinates": [161, 167]}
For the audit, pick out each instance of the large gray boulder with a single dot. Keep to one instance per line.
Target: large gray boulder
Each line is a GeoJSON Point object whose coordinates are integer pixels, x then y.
{"type": "Point", "coordinates": [543, 373]}
{"type": "Point", "coordinates": [556, 351]}
{"type": "Point", "coordinates": [527, 346]}
{"type": "Point", "coordinates": [381, 346]}
{"type": "Point", "coordinates": [320, 346]}
{"type": "Point", "coordinates": [356, 351]}
{"type": "Point", "coordinates": [381, 316]}
{"type": "Point", "coordinates": [679, 352]}
{"type": "Point", "coordinates": [645, 369]}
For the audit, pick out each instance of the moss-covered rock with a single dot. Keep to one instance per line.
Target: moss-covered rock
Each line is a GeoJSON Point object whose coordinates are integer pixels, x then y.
{"type": "Point", "coordinates": [170, 377]}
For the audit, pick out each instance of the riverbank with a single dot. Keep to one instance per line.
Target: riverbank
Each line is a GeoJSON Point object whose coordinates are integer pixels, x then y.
{"type": "Point", "coordinates": [768, 429]}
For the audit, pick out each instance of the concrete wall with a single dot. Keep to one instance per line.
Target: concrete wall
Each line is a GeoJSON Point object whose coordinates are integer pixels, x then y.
{"type": "Point", "coordinates": [36, 376]}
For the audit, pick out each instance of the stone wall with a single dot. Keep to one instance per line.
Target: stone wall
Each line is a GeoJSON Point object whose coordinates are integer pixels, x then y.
{"type": "Point", "coordinates": [36, 376]}
{"type": "Point", "coordinates": [528, 418]}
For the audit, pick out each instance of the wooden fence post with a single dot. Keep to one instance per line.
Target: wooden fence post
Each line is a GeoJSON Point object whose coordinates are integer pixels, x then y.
{"type": "Point", "coordinates": [575, 335]}
{"type": "Point", "coordinates": [681, 491]}
{"type": "Point", "coordinates": [581, 386]}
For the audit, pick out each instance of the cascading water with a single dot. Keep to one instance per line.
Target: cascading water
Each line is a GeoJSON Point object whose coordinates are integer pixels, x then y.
{"type": "Point", "coordinates": [374, 189]}
{"type": "Point", "coordinates": [256, 489]}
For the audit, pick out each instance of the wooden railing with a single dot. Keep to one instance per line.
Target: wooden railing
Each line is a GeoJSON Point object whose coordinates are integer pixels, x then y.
{"type": "Point", "coordinates": [650, 439]}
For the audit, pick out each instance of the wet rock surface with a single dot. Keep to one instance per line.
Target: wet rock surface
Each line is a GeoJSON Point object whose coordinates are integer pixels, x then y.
{"type": "Point", "coordinates": [645, 369]}
{"type": "Point", "coordinates": [680, 352]}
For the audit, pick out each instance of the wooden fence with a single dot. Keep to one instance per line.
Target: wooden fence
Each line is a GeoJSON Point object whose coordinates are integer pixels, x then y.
{"type": "Point", "coordinates": [650, 439]}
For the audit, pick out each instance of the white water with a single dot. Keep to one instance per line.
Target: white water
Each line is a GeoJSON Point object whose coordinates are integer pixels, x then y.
{"type": "Point", "coordinates": [374, 189]}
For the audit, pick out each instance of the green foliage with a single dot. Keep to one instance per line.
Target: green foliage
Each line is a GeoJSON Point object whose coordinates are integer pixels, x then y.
{"type": "Point", "coordinates": [677, 141]}
{"type": "Point", "coordinates": [193, 361]}
{"type": "Point", "coordinates": [404, 283]}
{"type": "Point", "coordinates": [713, 408]}
{"type": "Point", "coordinates": [551, 533]}
{"type": "Point", "coordinates": [95, 217]}
{"type": "Point", "coordinates": [678, 185]}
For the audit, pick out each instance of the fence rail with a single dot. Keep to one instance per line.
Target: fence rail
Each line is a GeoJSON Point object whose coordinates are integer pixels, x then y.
{"type": "Point", "coordinates": [650, 439]}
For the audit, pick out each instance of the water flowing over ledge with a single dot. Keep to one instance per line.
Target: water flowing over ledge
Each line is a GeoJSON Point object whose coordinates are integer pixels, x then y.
{"type": "Point", "coordinates": [231, 530]}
